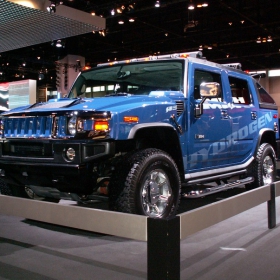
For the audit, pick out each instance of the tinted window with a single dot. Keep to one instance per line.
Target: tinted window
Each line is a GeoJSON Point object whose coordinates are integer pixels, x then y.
{"type": "Point", "coordinates": [264, 96]}
{"type": "Point", "coordinates": [240, 91]}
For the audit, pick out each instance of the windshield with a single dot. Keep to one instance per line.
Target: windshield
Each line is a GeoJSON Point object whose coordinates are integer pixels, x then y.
{"type": "Point", "coordinates": [137, 78]}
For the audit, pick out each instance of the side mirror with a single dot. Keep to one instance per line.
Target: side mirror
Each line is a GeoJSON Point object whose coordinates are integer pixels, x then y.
{"type": "Point", "coordinates": [207, 90]}
{"type": "Point", "coordinates": [210, 90]}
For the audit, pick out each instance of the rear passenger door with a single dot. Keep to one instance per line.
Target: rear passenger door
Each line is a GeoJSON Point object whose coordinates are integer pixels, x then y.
{"type": "Point", "coordinates": [244, 116]}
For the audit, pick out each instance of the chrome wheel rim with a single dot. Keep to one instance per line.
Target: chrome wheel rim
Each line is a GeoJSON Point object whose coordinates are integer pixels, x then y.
{"type": "Point", "coordinates": [156, 193]}
{"type": "Point", "coordinates": [268, 170]}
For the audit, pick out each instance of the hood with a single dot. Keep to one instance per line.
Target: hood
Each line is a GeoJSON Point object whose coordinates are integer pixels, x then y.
{"type": "Point", "coordinates": [113, 103]}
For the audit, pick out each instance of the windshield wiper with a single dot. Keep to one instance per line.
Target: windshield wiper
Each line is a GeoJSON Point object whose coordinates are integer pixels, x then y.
{"type": "Point", "coordinates": [117, 94]}
{"type": "Point", "coordinates": [75, 101]}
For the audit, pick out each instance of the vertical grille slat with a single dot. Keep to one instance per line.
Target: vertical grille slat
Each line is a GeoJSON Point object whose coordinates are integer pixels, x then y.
{"type": "Point", "coordinates": [35, 127]}
{"type": "Point", "coordinates": [22, 127]}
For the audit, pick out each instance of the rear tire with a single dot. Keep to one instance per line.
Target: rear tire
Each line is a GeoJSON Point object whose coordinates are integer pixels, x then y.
{"type": "Point", "coordinates": [146, 183]}
{"type": "Point", "coordinates": [263, 168]}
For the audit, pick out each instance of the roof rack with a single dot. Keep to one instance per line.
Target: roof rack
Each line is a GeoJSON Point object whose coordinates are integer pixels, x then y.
{"type": "Point", "coordinates": [196, 54]}
{"type": "Point", "coordinates": [258, 75]}
{"type": "Point", "coordinates": [233, 65]}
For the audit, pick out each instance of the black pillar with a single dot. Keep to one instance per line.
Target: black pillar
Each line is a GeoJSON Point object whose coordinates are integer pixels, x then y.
{"type": "Point", "coordinates": [271, 208]}
{"type": "Point", "coordinates": [164, 248]}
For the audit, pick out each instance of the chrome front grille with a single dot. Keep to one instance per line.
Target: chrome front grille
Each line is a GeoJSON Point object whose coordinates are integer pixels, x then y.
{"type": "Point", "coordinates": [35, 127]}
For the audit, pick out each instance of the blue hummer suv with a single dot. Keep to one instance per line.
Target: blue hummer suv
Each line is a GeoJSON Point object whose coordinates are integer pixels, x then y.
{"type": "Point", "coordinates": [144, 132]}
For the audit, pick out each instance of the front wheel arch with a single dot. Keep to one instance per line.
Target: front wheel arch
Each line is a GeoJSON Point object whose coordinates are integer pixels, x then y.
{"type": "Point", "coordinates": [164, 138]}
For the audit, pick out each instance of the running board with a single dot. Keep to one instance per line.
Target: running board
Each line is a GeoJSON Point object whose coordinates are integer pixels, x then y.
{"type": "Point", "coordinates": [203, 191]}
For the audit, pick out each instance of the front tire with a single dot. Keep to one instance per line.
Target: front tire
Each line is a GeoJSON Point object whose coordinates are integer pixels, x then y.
{"type": "Point", "coordinates": [146, 183]}
{"type": "Point", "coordinates": [263, 168]}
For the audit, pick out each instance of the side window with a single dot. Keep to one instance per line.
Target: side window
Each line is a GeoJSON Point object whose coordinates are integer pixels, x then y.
{"type": "Point", "coordinates": [201, 76]}
{"type": "Point", "coordinates": [264, 96]}
{"type": "Point", "coordinates": [240, 91]}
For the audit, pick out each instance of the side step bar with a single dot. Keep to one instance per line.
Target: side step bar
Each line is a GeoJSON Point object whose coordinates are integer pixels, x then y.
{"type": "Point", "coordinates": [203, 191]}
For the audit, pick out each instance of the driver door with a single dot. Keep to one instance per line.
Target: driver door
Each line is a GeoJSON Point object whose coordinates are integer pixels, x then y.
{"type": "Point", "coordinates": [208, 133]}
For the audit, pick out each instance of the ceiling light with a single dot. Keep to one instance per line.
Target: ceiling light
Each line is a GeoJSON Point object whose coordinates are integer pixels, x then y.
{"type": "Point", "coordinates": [191, 6]}
{"type": "Point", "coordinates": [121, 21]}
{"type": "Point", "coordinates": [200, 48]}
{"type": "Point", "coordinates": [113, 12]}
{"type": "Point", "coordinates": [52, 8]}
{"type": "Point", "coordinates": [264, 39]}
{"type": "Point", "coordinates": [230, 23]}
{"type": "Point", "coordinates": [157, 4]}
{"type": "Point", "coordinates": [202, 5]}
{"type": "Point", "coordinates": [41, 76]}
{"type": "Point", "coordinates": [131, 20]}
{"type": "Point", "coordinates": [58, 44]}
{"type": "Point", "coordinates": [130, 7]}
{"type": "Point", "coordinates": [119, 10]}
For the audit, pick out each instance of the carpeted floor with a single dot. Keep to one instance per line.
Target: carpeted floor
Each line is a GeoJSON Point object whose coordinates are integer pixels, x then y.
{"type": "Point", "coordinates": [241, 248]}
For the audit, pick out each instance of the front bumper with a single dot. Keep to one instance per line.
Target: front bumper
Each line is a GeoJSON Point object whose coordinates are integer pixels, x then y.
{"type": "Point", "coordinates": [44, 163]}
{"type": "Point", "coordinates": [53, 152]}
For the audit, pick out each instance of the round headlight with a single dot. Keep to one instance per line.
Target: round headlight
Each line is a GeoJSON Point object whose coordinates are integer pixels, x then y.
{"type": "Point", "coordinates": [70, 154]}
{"type": "Point", "coordinates": [72, 125]}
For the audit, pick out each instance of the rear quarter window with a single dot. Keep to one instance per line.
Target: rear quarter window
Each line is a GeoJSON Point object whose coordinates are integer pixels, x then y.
{"type": "Point", "coordinates": [264, 96]}
{"type": "Point", "coordinates": [265, 100]}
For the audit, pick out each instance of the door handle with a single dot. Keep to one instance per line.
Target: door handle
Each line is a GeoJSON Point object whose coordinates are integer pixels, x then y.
{"type": "Point", "coordinates": [224, 114]}
{"type": "Point", "coordinates": [254, 115]}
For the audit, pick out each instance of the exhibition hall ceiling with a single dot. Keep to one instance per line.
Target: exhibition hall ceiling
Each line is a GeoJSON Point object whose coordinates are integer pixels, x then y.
{"type": "Point", "coordinates": [22, 26]}
{"type": "Point", "coordinates": [245, 31]}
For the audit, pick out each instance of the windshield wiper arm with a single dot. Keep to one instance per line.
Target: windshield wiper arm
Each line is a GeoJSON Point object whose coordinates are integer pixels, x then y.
{"type": "Point", "coordinates": [117, 94]}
